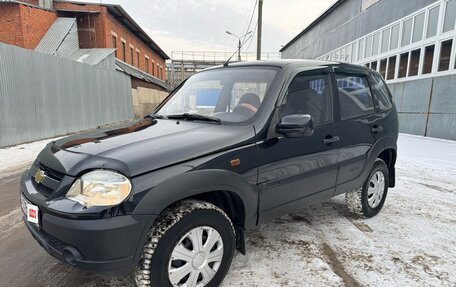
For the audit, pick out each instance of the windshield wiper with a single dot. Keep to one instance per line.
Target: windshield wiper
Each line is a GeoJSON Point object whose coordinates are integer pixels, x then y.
{"type": "Point", "coordinates": [191, 117]}
{"type": "Point", "coordinates": [154, 117]}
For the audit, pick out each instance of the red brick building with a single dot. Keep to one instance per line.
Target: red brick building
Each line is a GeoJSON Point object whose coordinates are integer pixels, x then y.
{"type": "Point", "coordinates": [24, 23]}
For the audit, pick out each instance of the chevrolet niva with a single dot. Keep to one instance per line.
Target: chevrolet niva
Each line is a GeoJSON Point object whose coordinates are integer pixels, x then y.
{"type": "Point", "coordinates": [169, 197]}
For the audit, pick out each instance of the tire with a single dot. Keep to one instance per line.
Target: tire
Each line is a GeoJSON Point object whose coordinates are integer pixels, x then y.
{"type": "Point", "coordinates": [178, 229]}
{"type": "Point", "coordinates": [368, 200]}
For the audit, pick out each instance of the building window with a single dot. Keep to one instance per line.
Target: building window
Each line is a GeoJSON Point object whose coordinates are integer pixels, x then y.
{"type": "Point", "coordinates": [385, 39]}
{"type": "Point", "coordinates": [373, 66]}
{"type": "Point", "coordinates": [114, 44]}
{"type": "Point", "coordinates": [161, 73]}
{"type": "Point", "coordinates": [353, 52]}
{"type": "Point", "coordinates": [450, 16]}
{"type": "Point", "coordinates": [383, 68]}
{"type": "Point", "coordinates": [355, 96]}
{"type": "Point", "coordinates": [406, 32]}
{"type": "Point", "coordinates": [361, 49]}
{"type": "Point", "coordinates": [368, 47]}
{"type": "Point", "coordinates": [132, 55]}
{"type": "Point", "coordinates": [124, 52]}
{"type": "Point", "coordinates": [428, 59]}
{"type": "Point", "coordinates": [433, 21]}
{"type": "Point", "coordinates": [138, 58]}
{"type": "Point", "coordinates": [394, 37]}
{"type": "Point", "coordinates": [391, 68]}
{"type": "Point", "coordinates": [153, 69]}
{"type": "Point", "coordinates": [375, 44]}
{"type": "Point", "coordinates": [403, 63]}
{"type": "Point", "coordinates": [146, 63]}
{"type": "Point", "coordinates": [414, 62]}
{"type": "Point", "coordinates": [418, 27]}
{"type": "Point", "coordinates": [445, 54]}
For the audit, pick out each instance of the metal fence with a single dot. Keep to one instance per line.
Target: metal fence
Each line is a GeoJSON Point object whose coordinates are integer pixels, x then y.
{"type": "Point", "coordinates": [43, 96]}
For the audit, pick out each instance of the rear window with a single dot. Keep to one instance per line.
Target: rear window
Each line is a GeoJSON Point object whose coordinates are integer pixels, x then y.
{"type": "Point", "coordinates": [381, 92]}
{"type": "Point", "coordinates": [355, 96]}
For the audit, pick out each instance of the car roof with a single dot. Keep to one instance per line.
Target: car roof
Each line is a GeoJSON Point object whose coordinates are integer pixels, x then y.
{"type": "Point", "coordinates": [286, 62]}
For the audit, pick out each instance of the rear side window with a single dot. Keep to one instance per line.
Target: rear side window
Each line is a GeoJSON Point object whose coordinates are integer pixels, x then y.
{"type": "Point", "coordinates": [381, 92]}
{"type": "Point", "coordinates": [355, 96]}
{"type": "Point", "coordinates": [310, 93]}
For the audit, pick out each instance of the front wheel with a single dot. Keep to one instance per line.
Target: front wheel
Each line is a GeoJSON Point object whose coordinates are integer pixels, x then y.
{"type": "Point", "coordinates": [369, 199]}
{"type": "Point", "coordinates": [191, 244]}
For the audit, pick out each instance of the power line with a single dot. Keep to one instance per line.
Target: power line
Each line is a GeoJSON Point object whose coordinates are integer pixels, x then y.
{"type": "Point", "coordinates": [251, 18]}
{"type": "Point", "coordinates": [251, 39]}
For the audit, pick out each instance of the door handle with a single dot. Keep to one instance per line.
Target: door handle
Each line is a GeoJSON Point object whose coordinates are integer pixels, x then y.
{"type": "Point", "coordinates": [376, 129]}
{"type": "Point", "coordinates": [331, 140]}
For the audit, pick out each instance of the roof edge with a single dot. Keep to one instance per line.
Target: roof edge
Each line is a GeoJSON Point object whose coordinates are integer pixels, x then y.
{"type": "Point", "coordinates": [311, 25]}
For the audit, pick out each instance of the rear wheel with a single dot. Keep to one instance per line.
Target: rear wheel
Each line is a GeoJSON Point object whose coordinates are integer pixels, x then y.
{"type": "Point", "coordinates": [369, 199]}
{"type": "Point", "coordinates": [191, 244]}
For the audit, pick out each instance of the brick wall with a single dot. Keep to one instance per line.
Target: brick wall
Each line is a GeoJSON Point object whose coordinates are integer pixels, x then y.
{"type": "Point", "coordinates": [22, 25]}
{"type": "Point", "coordinates": [35, 23]}
{"type": "Point", "coordinates": [10, 23]}
{"type": "Point", "coordinates": [113, 26]}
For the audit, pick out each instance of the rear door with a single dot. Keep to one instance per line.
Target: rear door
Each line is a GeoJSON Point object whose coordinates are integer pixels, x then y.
{"type": "Point", "coordinates": [357, 121]}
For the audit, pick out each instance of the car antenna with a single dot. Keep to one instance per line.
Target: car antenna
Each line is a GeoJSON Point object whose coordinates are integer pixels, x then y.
{"type": "Point", "coordinates": [238, 49]}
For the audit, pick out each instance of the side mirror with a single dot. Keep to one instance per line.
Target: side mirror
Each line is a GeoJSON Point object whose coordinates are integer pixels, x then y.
{"type": "Point", "coordinates": [296, 126]}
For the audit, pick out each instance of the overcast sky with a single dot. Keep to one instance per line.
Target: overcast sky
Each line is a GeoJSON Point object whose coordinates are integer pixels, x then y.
{"type": "Point", "coordinates": [200, 25]}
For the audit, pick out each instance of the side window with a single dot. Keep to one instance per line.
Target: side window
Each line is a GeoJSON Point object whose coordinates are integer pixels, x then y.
{"type": "Point", "coordinates": [354, 96]}
{"type": "Point", "coordinates": [381, 93]}
{"type": "Point", "coordinates": [310, 93]}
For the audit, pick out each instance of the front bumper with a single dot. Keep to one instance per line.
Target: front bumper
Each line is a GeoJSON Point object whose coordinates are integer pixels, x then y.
{"type": "Point", "coordinates": [108, 245]}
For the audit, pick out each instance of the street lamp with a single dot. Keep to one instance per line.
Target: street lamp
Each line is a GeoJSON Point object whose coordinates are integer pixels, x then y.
{"type": "Point", "coordinates": [239, 41]}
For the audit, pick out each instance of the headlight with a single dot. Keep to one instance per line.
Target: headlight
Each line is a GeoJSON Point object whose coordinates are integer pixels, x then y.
{"type": "Point", "coordinates": [100, 188]}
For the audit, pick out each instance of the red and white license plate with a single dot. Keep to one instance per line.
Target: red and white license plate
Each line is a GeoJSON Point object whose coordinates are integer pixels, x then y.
{"type": "Point", "coordinates": [30, 210]}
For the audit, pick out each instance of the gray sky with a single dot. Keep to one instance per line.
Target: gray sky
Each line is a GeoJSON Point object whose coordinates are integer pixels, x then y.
{"type": "Point", "coordinates": [200, 25]}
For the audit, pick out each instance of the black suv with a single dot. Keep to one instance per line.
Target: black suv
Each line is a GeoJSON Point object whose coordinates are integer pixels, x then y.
{"type": "Point", "coordinates": [170, 196]}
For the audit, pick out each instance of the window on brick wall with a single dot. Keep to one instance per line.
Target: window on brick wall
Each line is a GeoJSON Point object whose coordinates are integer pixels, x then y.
{"type": "Point", "coordinates": [132, 56]}
{"type": "Point", "coordinates": [146, 63]}
{"type": "Point", "coordinates": [124, 52]}
{"type": "Point", "coordinates": [153, 69]}
{"type": "Point", "coordinates": [137, 58]}
{"type": "Point", "coordinates": [114, 44]}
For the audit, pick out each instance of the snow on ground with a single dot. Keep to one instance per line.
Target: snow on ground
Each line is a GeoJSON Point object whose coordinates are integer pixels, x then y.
{"type": "Point", "coordinates": [16, 158]}
{"type": "Point", "coordinates": [412, 242]}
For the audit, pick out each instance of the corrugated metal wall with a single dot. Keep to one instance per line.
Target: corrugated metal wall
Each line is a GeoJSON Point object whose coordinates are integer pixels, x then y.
{"type": "Point", "coordinates": [43, 96]}
{"type": "Point", "coordinates": [427, 106]}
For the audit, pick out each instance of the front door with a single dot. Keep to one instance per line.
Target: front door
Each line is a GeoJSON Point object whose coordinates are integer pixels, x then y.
{"type": "Point", "coordinates": [296, 170]}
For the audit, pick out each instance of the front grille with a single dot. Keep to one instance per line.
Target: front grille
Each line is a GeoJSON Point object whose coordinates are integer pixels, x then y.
{"type": "Point", "coordinates": [42, 189]}
{"type": "Point", "coordinates": [48, 186]}
{"type": "Point", "coordinates": [51, 172]}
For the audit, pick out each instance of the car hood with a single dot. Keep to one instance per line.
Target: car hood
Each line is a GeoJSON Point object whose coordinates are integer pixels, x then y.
{"type": "Point", "coordinates": [143, 146]}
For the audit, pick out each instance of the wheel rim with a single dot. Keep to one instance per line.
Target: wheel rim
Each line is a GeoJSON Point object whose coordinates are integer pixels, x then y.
{"type": "Point", "coordinates": [376, 189]}
{"type": "Point", "coordinates": [196, 258]}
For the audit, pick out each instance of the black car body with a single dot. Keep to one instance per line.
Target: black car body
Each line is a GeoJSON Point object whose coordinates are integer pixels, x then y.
{"type": "Point", "coordinates": [257, 169]}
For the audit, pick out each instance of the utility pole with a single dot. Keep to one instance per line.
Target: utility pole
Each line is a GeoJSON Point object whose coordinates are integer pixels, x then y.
{"type": "Point", "coordinates": [260, 24]}
{"type": "Point", "coordinates": [239, 50]}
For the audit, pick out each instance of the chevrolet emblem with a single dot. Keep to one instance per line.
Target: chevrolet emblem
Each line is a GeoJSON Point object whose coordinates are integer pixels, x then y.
{"type": "Point", "coordinates": [40, 176]}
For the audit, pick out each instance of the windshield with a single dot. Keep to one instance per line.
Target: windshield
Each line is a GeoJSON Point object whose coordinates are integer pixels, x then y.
{"type": "Point", "coordinates": [230, 95]}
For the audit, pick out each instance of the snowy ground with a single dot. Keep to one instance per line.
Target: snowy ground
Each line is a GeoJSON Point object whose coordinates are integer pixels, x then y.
{"type": "Point", "coordinates": [412, 242]}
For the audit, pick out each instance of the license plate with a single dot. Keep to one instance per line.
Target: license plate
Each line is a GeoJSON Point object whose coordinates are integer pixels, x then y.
{"type": "Point", "coordinates": [30, 210]}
